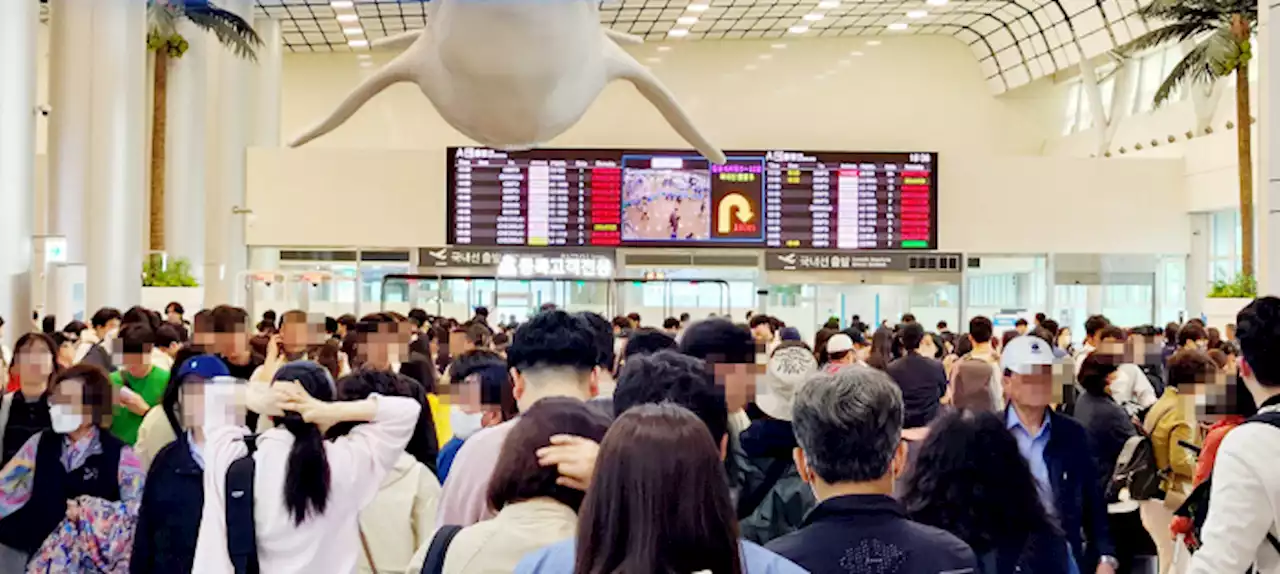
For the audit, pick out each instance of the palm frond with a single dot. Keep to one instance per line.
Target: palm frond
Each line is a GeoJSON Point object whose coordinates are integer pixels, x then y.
{"type": "Point", "coordinates": [234, 32]}
{"type": "Point", "coordinates": [1193, 69]}
{"type": "Point", "coordinates": [161, 18]}
{"type": "Point", "coordinates": [1185, 11]}
{"type": "Point", "coordinates": [1171, 33]}
{"type": "Point", "coordinates": [1215, 57]}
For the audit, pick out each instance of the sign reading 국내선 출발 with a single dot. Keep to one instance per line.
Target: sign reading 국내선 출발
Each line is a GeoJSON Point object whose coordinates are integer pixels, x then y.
{"type": "Point", "coordinates": [802, 260]}
{"type": "Point", "coordinates": [512, 263]}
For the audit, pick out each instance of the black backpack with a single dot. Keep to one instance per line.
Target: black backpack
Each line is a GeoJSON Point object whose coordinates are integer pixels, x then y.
{"type": "Point", "coordinates": [1196, 507]}
{"type": "Point", "coordinates": [242, 543]}
{"type": "Point", "coordinates": [434, 563]}
{"type": "Point", "coordinates": [1136, 468]}
{"type": "Point", "coordinates": [1155, 377]}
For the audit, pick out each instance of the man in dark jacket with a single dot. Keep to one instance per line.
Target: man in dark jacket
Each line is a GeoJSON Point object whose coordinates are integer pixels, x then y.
{"type": "Point", "coordinates": [922, 379]}
{"type": "Point", "coordinates": [1058, 451]}
{"type": "Point", "coordinates": [849, 427]}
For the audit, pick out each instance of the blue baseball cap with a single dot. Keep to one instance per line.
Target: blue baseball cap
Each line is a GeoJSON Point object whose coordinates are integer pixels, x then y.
{"type": "Point", "coordinates": [203, 366]}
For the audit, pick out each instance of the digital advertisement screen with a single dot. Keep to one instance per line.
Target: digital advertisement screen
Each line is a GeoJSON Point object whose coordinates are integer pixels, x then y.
{"type": "Point", "coordinates": [675, 198]}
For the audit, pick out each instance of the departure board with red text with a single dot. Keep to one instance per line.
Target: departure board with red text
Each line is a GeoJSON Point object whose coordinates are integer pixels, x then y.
{"type": "Point", "coordinates": [658, 198]}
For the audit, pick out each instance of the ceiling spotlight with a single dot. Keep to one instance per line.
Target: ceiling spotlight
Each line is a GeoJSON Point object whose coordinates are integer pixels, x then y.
{"type": "Point", "coordinates": [750, 67]}
{"type": "Point", "coordinates": [898, 26]}
{"type": "Point", "coordinates": [664, 48]}
{"type": "Point", "coordinates": [687, 20]}
{"type": "Point", "coordinates": [874, 42]}
{"type": "Point", "coordinates": [813, 16]}
{"type": "Point", "coordinates": [347, 18]}
{"type": "Point", "coordinates": [779, 46]}
{"type": "Point", "coordinates": [698, 7]}
{"type": "Point", "coordinates": [798, 29]}
{"type": "Point", "coordinates": [358, 43]}
{"type": "Point", "coordinates": [678, 32]}
{"type": "Point", "coordinates": [917, 14]}
{"type": "Point", "coordinates": [353, 31]}
{"type": "Point", "coordinates": [844, 62]}
{"type": "Point", "coordinates": [936, 2]}
{"type": "Point", "coordinates": [364, 57]}
{"type": "Point", "coordinates": [828, 4]}
{"type": "Point", "coordinates": [856, 54]}
{"type": "Point", "coordinates": [342, 4]}
{"type": "Point", "coordinates": [653, 60]}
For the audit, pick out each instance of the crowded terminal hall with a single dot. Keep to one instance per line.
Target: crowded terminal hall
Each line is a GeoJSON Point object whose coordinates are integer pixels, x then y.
{"type": "Point", "coordinates": [639, 287]}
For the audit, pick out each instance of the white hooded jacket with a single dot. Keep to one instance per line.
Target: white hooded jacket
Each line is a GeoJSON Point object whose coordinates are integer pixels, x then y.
{"type": "Point", "coordinates": [401, 517]}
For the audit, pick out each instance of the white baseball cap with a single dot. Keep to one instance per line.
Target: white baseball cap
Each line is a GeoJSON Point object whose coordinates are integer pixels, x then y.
{"type": "Point", "coordinates": [1024, 353]}
{"type": "Point", "coordinates": [839, 343]}
{"type": "Point", "coordinates": [788, 369]}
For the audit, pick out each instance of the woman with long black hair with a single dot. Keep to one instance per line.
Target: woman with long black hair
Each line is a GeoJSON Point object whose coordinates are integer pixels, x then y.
{"type": "Point", "coordinates": [307, 493]}
{"type": "Point", "coordinates": [658, 502]}
{"type": "Point", "coordinates": [971, 481]}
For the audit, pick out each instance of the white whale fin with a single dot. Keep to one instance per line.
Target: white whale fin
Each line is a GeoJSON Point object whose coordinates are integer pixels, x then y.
{"type": "Point", "coordinates": [627, 68]}
{"type": "Point", "coordinates": [398, 40]}
{"type": "Point", "coordinates": [623, 37]}
{"type": "Point", "coordinates": [396, 71]}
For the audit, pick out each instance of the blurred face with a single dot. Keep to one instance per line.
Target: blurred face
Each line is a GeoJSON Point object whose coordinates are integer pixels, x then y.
{"type": "Point", "coordinates": [1021, 329]}
{"type": "Point", "coordinates": [928, 348]}
{"type": "Point", "coordinates": [1031, 391]}
{"type": "Point", "coordinates": [297, 336]}
{"type": "Point", "coordinates": [739, 383]}
{"type": "Point", "coordinates": [1113, 350]}
{"type": "Point", "coordinates": [382, 348]}
{"type": "Point", "coordinates": [67, 408]}
{"type": "Point", "coordinates": [138, 364]}
{"type": "Point", "coordinates": [173, 317]}
{"type": "Point", "coordinates": [34, 365]}
{"type": "Point", "coordinates": [66, 354]}
{"type": "Point", "coordinates": [233, 344]}
{"type": "Point", "coordinates": [1064, 338]}
{"type": "Point", "coordinates": [762, 333]}
{"type": "Point", "coordinates": [112, 327]}
{"type": "Point", "coordinates": [192, 398]}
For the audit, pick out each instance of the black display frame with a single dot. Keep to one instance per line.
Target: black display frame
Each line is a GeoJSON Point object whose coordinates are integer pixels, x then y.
{"type": "Point", "coordinates": [618, 153]}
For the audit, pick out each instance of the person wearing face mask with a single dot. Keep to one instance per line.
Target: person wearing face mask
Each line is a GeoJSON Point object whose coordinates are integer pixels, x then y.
{"type": "Point", "coordinates": [482, 398]}
{"type": "Point", "coordinates": [95, 342]}
{"type": "Point", "coordinates": [169, 517]}
{"type": "Point", "coordinates": [1131, 388]}
{"type": "Point", "coordinates": [24, 410]}
{"type": "Point", "coordinates": [849, 428]}
{"type": "Point", "coordinates": [76, 471]}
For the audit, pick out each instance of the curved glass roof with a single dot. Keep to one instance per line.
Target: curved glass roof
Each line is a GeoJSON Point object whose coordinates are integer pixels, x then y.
{"type": "Point", "coordinates": [1014, 41]}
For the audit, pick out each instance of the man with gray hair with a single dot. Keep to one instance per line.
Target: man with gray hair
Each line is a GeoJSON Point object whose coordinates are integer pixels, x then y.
{"type": "Point", "coordinates": [849, 428]}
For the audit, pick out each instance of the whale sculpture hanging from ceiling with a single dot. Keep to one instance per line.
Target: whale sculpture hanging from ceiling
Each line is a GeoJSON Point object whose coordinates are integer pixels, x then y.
{"type": "Point", "coordinates": [513, 74]}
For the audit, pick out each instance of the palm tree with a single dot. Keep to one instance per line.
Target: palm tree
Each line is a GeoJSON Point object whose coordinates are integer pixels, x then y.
{"type": "Point", "coordinates": [1222, 31]}
{"type": "Point", "coordinates": [232, 31]}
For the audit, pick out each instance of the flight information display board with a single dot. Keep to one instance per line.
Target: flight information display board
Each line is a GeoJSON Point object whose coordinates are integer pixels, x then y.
{"type": "Point", "coordinates": [662, 198]}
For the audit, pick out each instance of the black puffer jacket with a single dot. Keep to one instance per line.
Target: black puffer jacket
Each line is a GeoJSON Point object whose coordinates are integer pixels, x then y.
{"type": "Point", "coordinates": [169, 518]}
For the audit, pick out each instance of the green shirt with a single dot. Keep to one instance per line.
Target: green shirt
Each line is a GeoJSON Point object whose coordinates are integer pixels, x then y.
{"type": "Point", "coordinates": [124, 423]}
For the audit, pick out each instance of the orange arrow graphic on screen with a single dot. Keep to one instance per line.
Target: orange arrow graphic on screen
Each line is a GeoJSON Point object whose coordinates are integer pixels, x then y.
{"type": "Point", "coordinates": [727, 207]}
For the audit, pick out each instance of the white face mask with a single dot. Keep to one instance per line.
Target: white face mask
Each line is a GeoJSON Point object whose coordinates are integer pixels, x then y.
{"type": "Point", "coordinates": [465, 424]}
{"type": "Point", "coordinates": [64, 419]}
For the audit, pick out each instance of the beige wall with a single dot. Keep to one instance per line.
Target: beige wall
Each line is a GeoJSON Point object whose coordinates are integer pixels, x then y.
{"type": "Point", "coordinates": [987, 204]}
{"type": "Point", "coordinates": [379, 180]}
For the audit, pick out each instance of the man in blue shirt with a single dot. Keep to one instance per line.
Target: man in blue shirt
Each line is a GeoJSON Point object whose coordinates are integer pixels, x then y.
{"type": "Point", "coordinates": [1057, 450]}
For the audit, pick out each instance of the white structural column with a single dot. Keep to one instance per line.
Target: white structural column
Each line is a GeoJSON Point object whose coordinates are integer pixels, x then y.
{"type": "Point", "coordinates": [267, 91]}
{"type": "Point", "coordinates": [226, 251]}
{"type": "Point", "coordinates": [18, 23]}
{"type": "Point", "coordinates": [117, 175]}
{"type": "Point", "coordinates": [1267, 196]}
{"type": "Point", "coordinates": [185, 152]}
{"type": "Point", "coordinates": [71, 45]}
